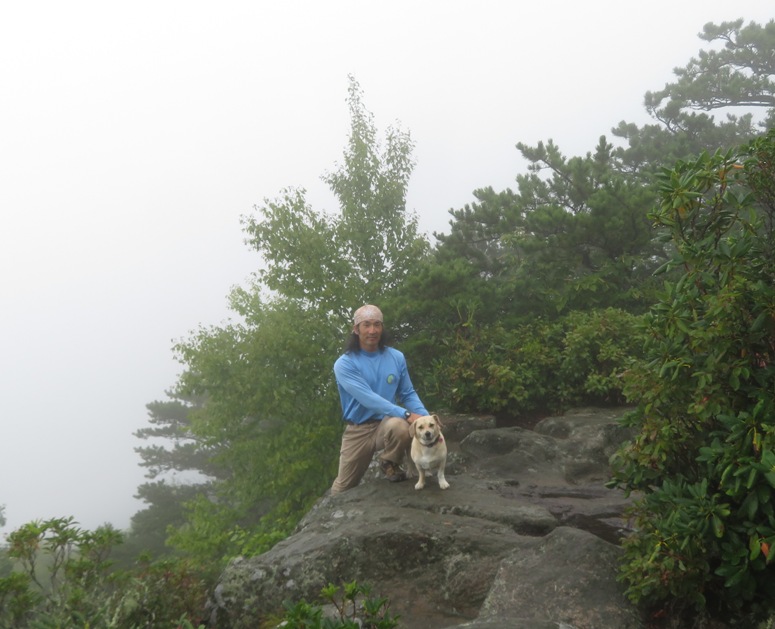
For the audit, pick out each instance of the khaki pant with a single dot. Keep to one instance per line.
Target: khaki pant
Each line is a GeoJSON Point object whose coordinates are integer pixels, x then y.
{"type": "Point", "coordinates": [361, 441]}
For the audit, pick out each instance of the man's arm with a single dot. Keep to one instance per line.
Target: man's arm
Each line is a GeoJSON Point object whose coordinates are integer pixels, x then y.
{"type": "Point", "coordinates": [408, 396]}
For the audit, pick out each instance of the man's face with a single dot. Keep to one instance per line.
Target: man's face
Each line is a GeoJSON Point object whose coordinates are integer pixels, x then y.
{"type": "Point", "coordinates": [369, 332]}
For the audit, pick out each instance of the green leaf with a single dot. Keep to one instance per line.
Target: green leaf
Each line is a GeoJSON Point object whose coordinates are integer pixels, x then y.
{"type": "Point", "coordinates": [754, 547]}
{"type": "Point", "coordinates": [718, 526]}
{"type": "Point", "coordinates": [759, 321]}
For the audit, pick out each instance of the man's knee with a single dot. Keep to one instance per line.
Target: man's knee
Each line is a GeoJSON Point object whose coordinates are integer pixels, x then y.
{"type": "Point", "coordinates": [397, 425]}
{"type": "Point", "coordinates": [397, 432]}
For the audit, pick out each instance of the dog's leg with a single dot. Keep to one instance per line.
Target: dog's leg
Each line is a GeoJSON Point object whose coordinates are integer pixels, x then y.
{"type": "Point", "coordinates": [421, 482]}
{"type": "Point", "coordinates": [440, 475]}
{"type": "Point", "coordinates": [409, 463]}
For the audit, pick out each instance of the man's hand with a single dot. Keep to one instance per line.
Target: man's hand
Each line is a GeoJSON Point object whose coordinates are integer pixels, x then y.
{"type": "Point", "coordinates": [413, 417]}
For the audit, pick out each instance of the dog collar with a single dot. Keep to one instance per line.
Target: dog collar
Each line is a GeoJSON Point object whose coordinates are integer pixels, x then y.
{"type": "Point", "coordinates": [438, 439]}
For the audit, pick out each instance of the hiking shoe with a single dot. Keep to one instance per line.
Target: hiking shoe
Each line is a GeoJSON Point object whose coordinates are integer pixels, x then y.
{"type": "Point", "coordinates": [392, 472]}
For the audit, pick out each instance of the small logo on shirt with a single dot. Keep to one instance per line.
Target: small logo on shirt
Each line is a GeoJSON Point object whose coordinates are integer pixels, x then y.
{"type": "Point", "coordinates": [391, 378]}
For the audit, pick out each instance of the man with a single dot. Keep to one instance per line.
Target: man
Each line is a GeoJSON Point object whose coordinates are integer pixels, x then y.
{"type": "Point", "coordinates": [378, 402]}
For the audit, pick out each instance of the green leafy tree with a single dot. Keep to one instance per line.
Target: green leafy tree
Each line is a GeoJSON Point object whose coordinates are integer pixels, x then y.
{"type": "Point", "coordinates": [150, 527]}
{"type": "Point", "coordinates": [330, 262]}
{"type": "Point", "coordinates": [704, 455]}
{"type": "Point", "coordinates": [735, 79]}
{"type": "Point", "coordinates": [180, 467]}
{"type": "Point", "coordinates": [740, 74]}
{"type": "Point", "coordinates": [270, 415]}
{"type": "Point", "coordinates": [585, 241]}
{"type": "Point", "coordinates": [174, 447]}
{"type": "Point", "coordinates": [575, 234]}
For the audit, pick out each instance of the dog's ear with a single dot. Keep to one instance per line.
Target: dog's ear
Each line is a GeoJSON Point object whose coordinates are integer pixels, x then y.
{"type": "Point", "coordinates": [412, 429]}
{"type": "Point", "coordinates": [438, 421]}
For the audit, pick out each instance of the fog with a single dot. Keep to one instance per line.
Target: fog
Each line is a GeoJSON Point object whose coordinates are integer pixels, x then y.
{"type": "Point", "coordinates": [133, 136]}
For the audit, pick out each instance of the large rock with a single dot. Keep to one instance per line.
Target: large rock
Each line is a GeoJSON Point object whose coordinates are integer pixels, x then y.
{"type": "Point", "coordinates": [524, 537]}
{"type": "Point", "coordinates": [564, 579]}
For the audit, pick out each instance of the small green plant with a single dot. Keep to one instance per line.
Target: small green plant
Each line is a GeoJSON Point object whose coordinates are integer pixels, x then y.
{"type": "Point", "coordinates": [355, 608]}
{"type": "Point", "coordinates": [184, 623]}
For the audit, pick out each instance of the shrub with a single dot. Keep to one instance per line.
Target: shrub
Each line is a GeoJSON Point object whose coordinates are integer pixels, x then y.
{"type": "Point", "coordinates": [64, 580]}
{"type": "Point", "coordinates": [597, 347]}
{"type": "Point", "coordinates": [704, 454]}
{"type": "Point", "coordinates": [578, 359]}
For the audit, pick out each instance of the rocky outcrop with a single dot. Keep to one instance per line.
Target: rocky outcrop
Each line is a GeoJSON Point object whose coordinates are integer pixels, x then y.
{"type": "Point", "coordinates": [525, 537]}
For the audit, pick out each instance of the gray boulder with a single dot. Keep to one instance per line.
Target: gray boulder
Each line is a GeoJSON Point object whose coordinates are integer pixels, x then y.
{"type": "Point", "coordinates": [525, 537]}
{"type": "Point", "coordinates": [566, 579]}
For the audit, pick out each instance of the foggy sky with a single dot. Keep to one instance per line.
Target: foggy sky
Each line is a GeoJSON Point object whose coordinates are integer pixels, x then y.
{"type": "Point", "coordinates": [133, 136]}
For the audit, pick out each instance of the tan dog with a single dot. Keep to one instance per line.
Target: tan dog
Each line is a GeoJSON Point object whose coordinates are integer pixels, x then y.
{"type": "Point", "coordinates": [429, 451]}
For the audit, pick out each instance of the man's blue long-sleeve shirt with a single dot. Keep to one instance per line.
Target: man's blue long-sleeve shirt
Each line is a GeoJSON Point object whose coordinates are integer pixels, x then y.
{"type": "Point", "coordinates": [375, 385]}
